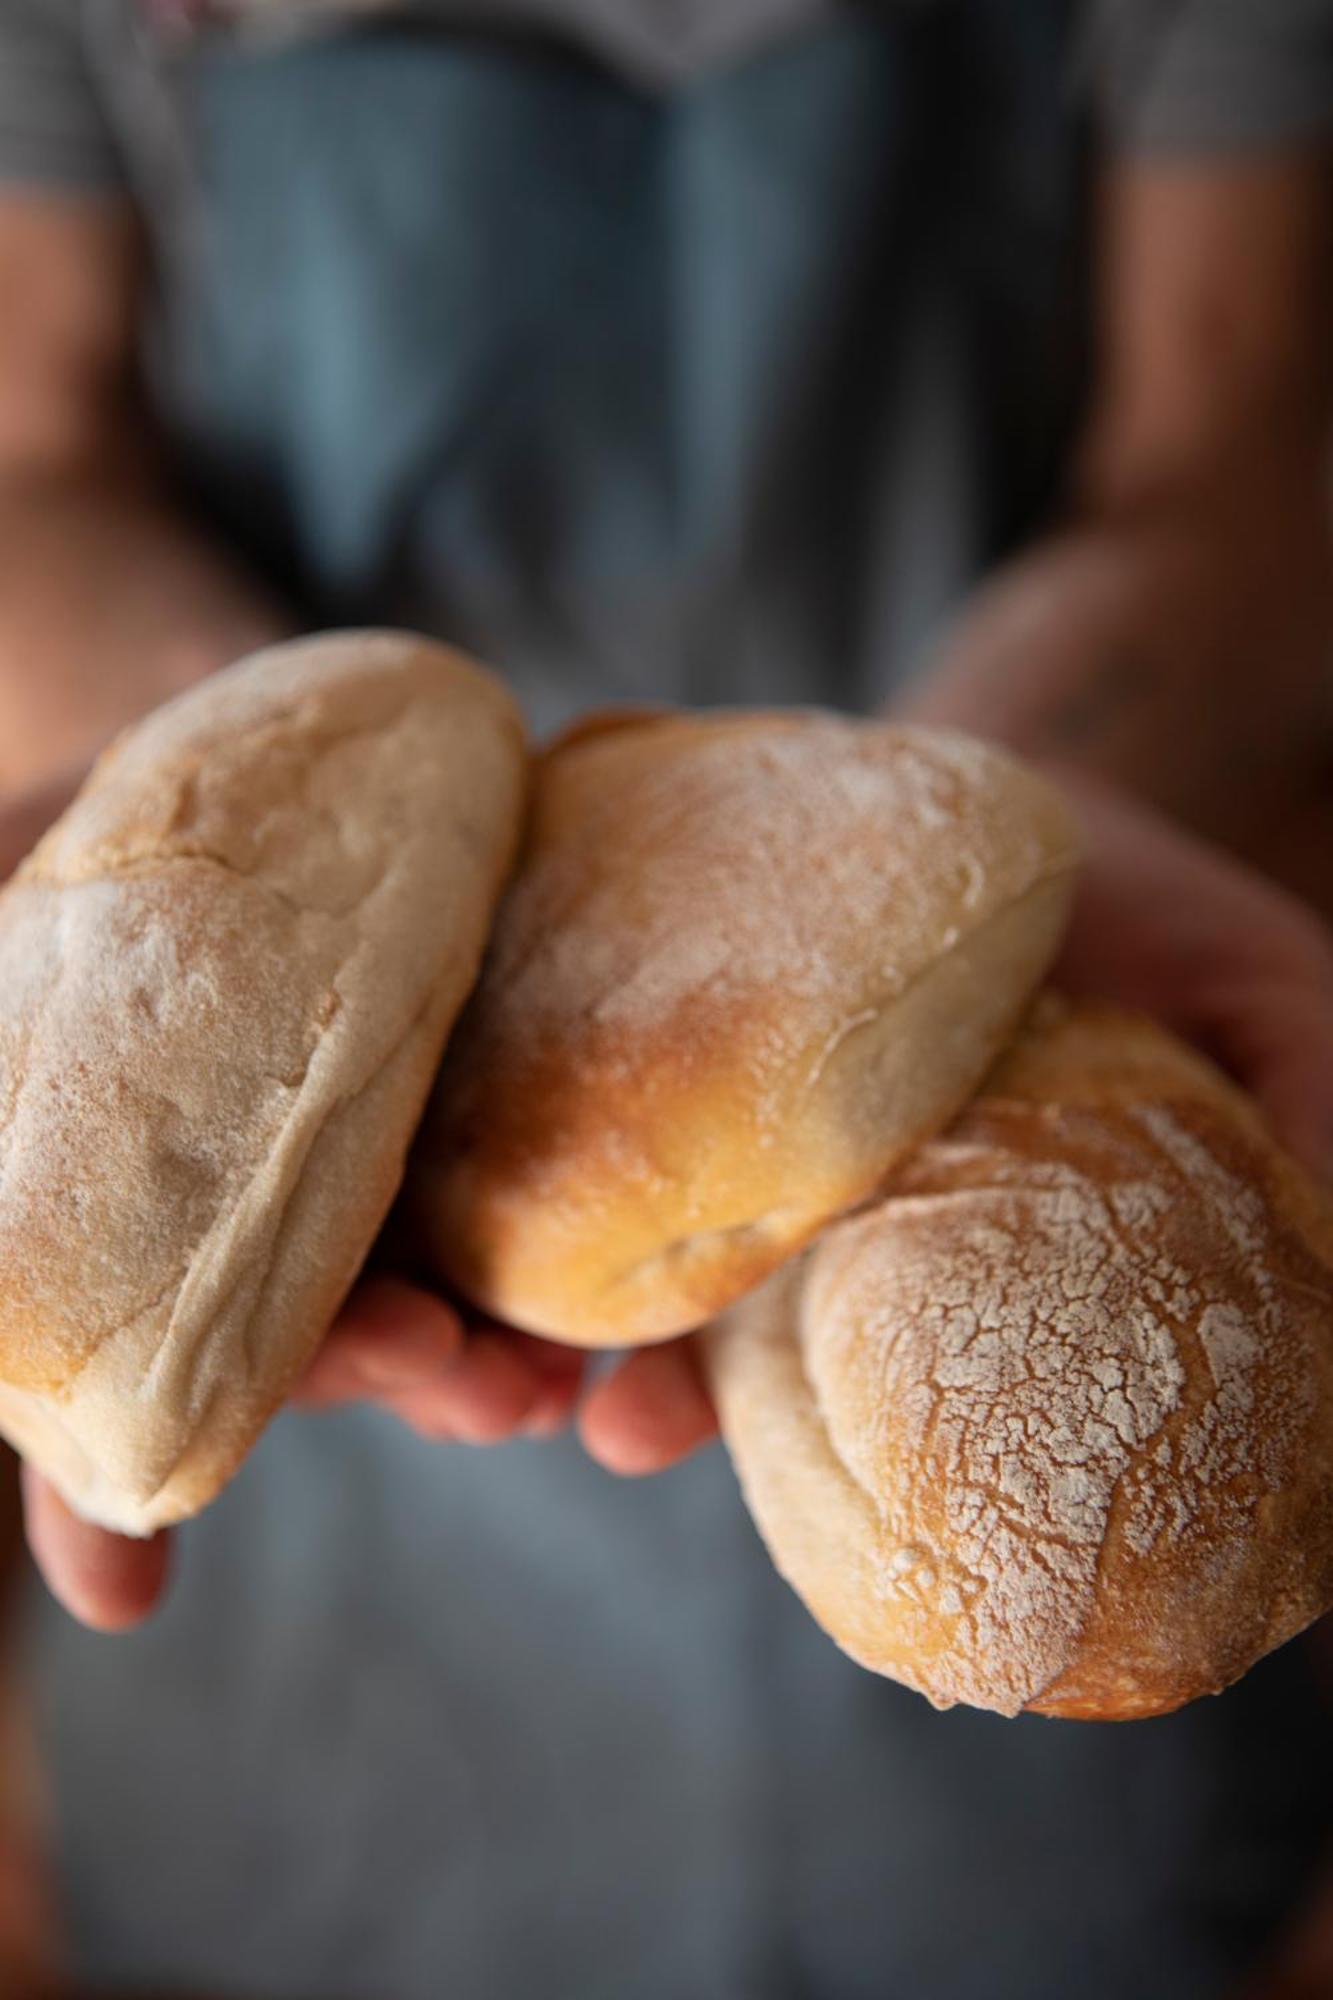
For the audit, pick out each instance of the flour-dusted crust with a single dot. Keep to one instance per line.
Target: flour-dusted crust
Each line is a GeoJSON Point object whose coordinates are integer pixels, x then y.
{"type": "Point", "coordinates": [1049, 1426]}
{"type": "Point", "coordinates": [748, 959]}
{"type": "Point", "coordinates": [226, 977]}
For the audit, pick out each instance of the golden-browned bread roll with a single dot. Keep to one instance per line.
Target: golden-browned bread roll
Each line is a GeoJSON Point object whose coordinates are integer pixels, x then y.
{"type": "Point", "coordinates": [748, 959]}
{"type": "Point", "coordinates": [1051, 1425]}
{"type": "Point", "coordinates": [226, 977]}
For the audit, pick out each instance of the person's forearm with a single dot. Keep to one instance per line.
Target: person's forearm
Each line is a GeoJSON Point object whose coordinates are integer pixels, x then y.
{"type": "Point", "coordinates": [109, 599]}
{"type": "Point", "coordinates": [1174, 633]}
{"type": "Point", "coordinates": [1183, 652]}
{"type": "Point", "coordinates": [109, 602]}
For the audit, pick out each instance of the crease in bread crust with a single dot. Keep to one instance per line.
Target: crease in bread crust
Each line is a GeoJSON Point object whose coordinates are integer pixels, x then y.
{"type": "Point", "coordinates": [279, 1235]}
{"type": "Point", "coordinates": [867, 1017]}
{"type": "Point", "coordinates": [1049, 1434]}
{"type": "Point", "coordinates": [288, 1162]}
{"type": "Point", "coordinates": [278, 1170]}
{"type": "Point", "coordinates": [864, 1161]}
{"type": "Point", "coordinates": [658, 1082]}
{"type": "Point", "coordinates": [312, 842]}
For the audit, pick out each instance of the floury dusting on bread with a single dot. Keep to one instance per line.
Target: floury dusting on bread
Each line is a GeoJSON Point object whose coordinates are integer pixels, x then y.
{"type": "Point", "coordinates": [1062, 1399]}
{"type": "Point", "coordinates": [226, 977]}
{"type": "Point", "coordinates": [1045, 1421]}
{"type": "Point", "coordinates": [765, 837]}
{"type": "Point", "coordinates": [747, 961]}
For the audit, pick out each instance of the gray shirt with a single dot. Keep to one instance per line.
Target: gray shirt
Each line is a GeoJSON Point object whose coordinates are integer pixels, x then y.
{"type": "Point", "coordinates": [1185, 74]}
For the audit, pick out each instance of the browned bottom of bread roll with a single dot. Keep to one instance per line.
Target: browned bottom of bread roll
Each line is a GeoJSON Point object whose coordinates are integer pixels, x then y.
{"type": "Point", "coordinates": [1050, 1426]}
{"type": "Point", "coordinates": [748, 960]}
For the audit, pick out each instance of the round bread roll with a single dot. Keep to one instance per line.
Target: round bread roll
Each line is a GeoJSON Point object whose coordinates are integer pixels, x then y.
{"type": "Point", "coordinates": [748, 960]}
{"type": "Point", "coordinates": [1051, 1426]}
{"type": "Point", "coordinates": [226, 977]}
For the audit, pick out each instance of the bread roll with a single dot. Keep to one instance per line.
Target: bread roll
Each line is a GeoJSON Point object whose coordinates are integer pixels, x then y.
{"type": "Point", "coordinates": [747, 961]}
{"type": "Point", "coordinates": [1050, 1426]}
{"type": "Point", "coordinates": [226, 977]}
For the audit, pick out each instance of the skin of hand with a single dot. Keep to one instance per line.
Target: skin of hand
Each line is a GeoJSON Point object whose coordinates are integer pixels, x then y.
{"type": "Point", "coordinates": [1165, 922]}
{"type": "Point", "coordinates": [28, 1923]}
{"type": "Point", "coordinates": [29, 1951]}
{"type": "Point", "coordinates": [1175, 927]}
{"type": "Point", "coordinates": [448, 1376]}
{"type": "Point", "coordinates": [106, 581]}
{"type": "Point", "coordinates": [1171, 637]}
{"type": "Point", "coordinates": [27, 1969]}
{"type": "Point", "coordinates": [1213, 383]}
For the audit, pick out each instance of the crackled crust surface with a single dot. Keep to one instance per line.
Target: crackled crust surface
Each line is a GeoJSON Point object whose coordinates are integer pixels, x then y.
{"type": "Point", "coordinates": [746, 961]}
{"type": "Point", "coordinates": [225, 980]}
{"type": "Point", "coordinates": [1049, 1426]}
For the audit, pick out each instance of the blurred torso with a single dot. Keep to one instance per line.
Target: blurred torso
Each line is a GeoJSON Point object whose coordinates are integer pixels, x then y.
{"type": "Point", "coordinates": [721, 392]}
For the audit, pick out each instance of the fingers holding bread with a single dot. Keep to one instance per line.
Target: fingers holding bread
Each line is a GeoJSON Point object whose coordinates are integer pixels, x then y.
{"type": "Point", "coordinates": [1036, 1414]}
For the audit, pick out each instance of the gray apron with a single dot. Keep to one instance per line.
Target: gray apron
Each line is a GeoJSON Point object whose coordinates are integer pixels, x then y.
{"type": "Point", "coordinates": [716, 397]}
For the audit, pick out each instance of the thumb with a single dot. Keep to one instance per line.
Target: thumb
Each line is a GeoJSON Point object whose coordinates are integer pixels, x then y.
{"type": "Point", "coordinates": [1277, 1038]}
{"type": "Point", "coordinates": [25, 819]}
{"type": "Point", "coordinates": [106, 1581]}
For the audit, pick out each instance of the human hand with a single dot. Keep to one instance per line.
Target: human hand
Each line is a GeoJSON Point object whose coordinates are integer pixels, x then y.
{"type": "Point", "coordinates": [27, 1951]}
{"type": "Point", "coordinates": [448, 1379]}
{"type": "Point", "coordinates": [1173, 926]}
{"type": "Point", "coordinates": [1164, 923]}
{"type": "Point", "coordinates": [29, 1943]}
{"type": "Point", "coordinates": [395, 1344]}
{"type": "Point", "coordinates": [1299, 1963]}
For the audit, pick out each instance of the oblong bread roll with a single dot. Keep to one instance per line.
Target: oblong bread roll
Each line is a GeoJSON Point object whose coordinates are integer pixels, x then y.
{"type": "Point", "coordinates": [748, 959]}
{"type": "Point", "coordinates": [1050, 1426]}
{"type": "Point", "coordinates": [226, 977]}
